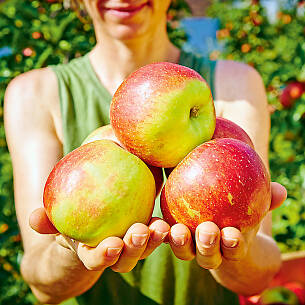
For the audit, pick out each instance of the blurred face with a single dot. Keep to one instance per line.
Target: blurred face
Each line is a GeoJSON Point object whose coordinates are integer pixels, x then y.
{"type": "Point", "coordinates": [127, 19]}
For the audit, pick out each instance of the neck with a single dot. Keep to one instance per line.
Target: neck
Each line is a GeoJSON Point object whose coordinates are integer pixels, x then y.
{"type": "Point", "coordinates": [113, 60]}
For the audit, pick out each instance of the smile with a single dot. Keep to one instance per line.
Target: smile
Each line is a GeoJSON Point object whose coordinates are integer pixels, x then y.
{"type": "Point", "coordinates": [124, 11]}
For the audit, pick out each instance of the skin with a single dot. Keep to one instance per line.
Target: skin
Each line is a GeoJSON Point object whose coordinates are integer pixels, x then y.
{"type": "Point", "coordinates": [56, 267]}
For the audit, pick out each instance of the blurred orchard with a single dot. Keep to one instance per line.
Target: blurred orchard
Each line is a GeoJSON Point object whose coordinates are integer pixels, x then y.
{"type": "Point", "coordinates": [36, 33]}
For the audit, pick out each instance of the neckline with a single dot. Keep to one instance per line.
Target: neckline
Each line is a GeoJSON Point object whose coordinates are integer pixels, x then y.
{"type": "Point", "coordinates": [99, 83]}
{"type": "Point", "coordinates": [95, 78]}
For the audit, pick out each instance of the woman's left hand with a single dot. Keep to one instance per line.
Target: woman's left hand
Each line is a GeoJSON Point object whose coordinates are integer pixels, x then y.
{"type": "Point", "coordinates": [214, 244]}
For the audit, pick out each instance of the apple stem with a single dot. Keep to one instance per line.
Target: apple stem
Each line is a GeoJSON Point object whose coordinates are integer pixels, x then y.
{"type": "Point", "coordinates": [194, 112]}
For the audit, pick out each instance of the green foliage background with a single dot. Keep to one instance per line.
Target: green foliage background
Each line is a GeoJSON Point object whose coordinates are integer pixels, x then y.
{"type": "Point", "coordinates": [41, 33]}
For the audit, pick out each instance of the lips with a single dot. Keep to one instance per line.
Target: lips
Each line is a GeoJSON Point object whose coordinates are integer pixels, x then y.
{"type": "Point", "coordinates": [122, 9]}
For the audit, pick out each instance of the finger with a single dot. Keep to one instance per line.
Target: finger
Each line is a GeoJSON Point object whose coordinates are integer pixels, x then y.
{"type": "Point", "coordinates": [66, 242]}
{"type": "Point", "coordinates": [135, 241]}
{"type": "Point", "coordinates": [159, 229]}
{"type": "Point", "coordinates": [40, 222]}
{"type": "Point", "coordinates": [233, 245]}
{"type": "Point", "coordinates": [104, 255]}
{"type": "Point", "coordinates": [181, 242]}
{"type": "Point", "coordinates": [208, 253]}
{"type": "Point", "coordinates": [279, 195]}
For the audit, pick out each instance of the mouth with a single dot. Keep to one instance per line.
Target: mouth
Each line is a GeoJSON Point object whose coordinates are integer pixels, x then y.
{"type": "Point", "coordinates": [123, 10]}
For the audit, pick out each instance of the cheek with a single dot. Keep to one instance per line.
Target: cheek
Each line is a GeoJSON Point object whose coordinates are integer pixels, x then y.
{"type": "Point", "coordinates": [160, 7]}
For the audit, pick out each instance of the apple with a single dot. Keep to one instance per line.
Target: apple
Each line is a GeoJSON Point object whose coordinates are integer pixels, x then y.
{"type": "Point", "coordinates": [278, 296]}
{"type": "Point", "coordinates": [299, 289]}
{"type": "Point", "coordinates": [98, 190]}
{"type": "Point", "coordinates": [286, 100]}
{"type": "Point", "coordinates": [102, 133]}
{"type": "Point", "coordinates": [253, 300]}
{"type": "Point", "coordinates": [224, 181]}
{"type": "Point", "coordinates": [106, 132]}
{"type": "Point", "coordinates": [161, 112]}
{"type": "Point", "coordinates": [295, 89]}
{"type": "Point", "coordinates": [225, 129]}
{"type": "Point", "coordinates": [291, 92]}
{"type": "Point", "coordinates": [228, 129]}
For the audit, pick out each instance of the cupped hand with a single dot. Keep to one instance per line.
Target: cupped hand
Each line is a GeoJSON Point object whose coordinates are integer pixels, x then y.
{"type": "Point", "coordinates": [212, 245]}
{"type": "Point", "coordinates": [121, 255]}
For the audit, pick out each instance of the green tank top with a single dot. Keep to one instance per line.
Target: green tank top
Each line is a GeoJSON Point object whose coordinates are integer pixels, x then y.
{"type": "Point", "coordinates": [161, 278]}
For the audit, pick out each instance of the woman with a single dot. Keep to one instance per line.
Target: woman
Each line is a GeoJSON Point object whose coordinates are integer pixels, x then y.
{"type": "Point", "coordinates": [56, 108]}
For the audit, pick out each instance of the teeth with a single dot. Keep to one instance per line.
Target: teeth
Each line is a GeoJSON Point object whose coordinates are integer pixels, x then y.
{"type": "Point", "coordinates": [128, 7]}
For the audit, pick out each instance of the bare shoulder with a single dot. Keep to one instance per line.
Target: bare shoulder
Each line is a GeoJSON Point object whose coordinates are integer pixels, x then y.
{"type": "Point", "coordinates": [36, 86]}
{"type": "Point", "coordinates": [236, 81]}
{"type": "Point", "coordinates": [239, 87]}
{"type": "Point", "coordinates": [31, 99]}
{"type": "Point", "coordinates": [241, 97]}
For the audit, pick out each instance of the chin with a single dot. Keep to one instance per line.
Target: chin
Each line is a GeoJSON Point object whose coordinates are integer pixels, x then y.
{"type": "Point", "coordinates": [125, 32]}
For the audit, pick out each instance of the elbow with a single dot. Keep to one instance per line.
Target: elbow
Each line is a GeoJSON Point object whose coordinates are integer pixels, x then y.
{"type": "Point", "coordinates": [40, 291]}
{"type": "Point", "coordinates": [44, 298]}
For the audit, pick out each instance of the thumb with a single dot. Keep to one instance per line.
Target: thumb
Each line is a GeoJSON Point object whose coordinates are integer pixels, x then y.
{"type": "Point", "coordinates": [279, 195]}
{"type": "Point", "coordinates": [40, 222]}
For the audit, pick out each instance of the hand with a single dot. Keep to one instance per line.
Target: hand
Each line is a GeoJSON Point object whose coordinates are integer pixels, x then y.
{"type": "Point", "coordinates": [121, 255]}
{"type": "Point", "coordinates": [212, 244]}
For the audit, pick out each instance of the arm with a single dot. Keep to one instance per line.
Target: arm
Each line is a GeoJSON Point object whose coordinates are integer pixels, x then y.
{"type": "Point", "coordinates": [244, 102]}
{"type": "Point", "coordinates": [54, 267]}
{"type": "Point", "coordinates": [244, 264]}
{"type": "Point", "coordinates": [35, 148]}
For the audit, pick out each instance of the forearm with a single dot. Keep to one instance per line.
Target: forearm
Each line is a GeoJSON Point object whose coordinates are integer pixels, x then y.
{"type": "Point", "coordinates": [55, 273]}
{"type": "Point", "coordinates": [252, 274]}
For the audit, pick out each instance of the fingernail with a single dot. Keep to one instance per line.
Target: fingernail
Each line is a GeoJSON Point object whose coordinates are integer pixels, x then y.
{"type": "Point", "coordinates": [138, 240]}
{"type": "Point", "coordinates": [229, 242]}
{"type": "Point", "coordinates": [158, 236]}
{"type": "Point", "coordinates": [112, 252]}
{"type": "Point", "coordinates": [178, 240]}
{"type": "Point", "coordinates": [207, 239]}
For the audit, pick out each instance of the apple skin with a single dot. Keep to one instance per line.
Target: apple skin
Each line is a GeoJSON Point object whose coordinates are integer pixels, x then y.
{"type": "Point", "coordinates": [225, 129]}
{"type": "Point", "coordinates": [102, 133]}
{"type": "Point", "coordinates": [106, 133]}
{"type": "Point", "coordinates": [161, 112]}
{"type": "Point", "coordinates": [298, 289]}
{"type": "Point", "coordinates": [286, 100]}
{"type": "Point", "coordinates": [224, 181]}
{"type": "Point", "coordinates": [98, 190]}
{"type": "Point", "coordinates": [228, 129]}
{"type": "Point", "coordinates": [295, 89]}
{"type": "Point", "coordinates": [254, 300]}
{"type": "Point", "coordinates": [292, 92]}
{"type": "Point", "coordinates": [278, 296]}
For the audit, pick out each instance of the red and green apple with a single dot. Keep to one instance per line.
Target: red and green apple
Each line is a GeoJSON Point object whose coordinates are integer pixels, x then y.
{"type": "Point", "coordinates": [225, 129]}
{"type": "Point", "coordinates": [98, 190]}
{"type": "Point", "coordinates": [106, 132]}
{"type": "Point", "coordinates": [224, 181]}
{"type": "Point", "coordinates": [161, 112]}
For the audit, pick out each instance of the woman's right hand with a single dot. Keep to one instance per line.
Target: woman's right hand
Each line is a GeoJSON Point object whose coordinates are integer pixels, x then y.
{"type": "Point", "coordinates": [121, 255]}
